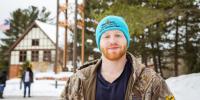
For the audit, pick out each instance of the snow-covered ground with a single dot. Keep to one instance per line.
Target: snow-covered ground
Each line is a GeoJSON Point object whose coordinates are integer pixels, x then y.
{"type": "Point", "coordinates": [39, 87]}
{"type": "Point", "coordinates": [184, 87]}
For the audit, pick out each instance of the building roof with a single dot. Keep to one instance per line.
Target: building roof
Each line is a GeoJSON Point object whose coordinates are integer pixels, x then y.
{"type": "Point", "coordinates": [49, 30]}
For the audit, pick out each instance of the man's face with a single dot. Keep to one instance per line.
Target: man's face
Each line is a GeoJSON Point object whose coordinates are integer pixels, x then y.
{"type": "Point", "coordinates": [113, 44]}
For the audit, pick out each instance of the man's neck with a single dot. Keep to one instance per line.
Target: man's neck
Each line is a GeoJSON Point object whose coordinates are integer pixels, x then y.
{"type": "Point", "coordinates": [111, 70]}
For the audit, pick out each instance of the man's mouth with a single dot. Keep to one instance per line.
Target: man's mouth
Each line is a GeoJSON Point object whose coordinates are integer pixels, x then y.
{"type": "Point", "coordinates": [113, 47]}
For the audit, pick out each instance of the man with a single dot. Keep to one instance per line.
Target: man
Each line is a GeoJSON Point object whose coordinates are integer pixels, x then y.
{"type": "Point", "coordinates": [3, 78]}
{"type": "Point", "coordinates": [117, 75]}
{"type": "Point", "coordinates": [27, 78]}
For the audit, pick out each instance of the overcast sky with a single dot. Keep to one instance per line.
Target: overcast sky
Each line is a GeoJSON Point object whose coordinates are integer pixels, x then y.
{"type": "Point", "coordinates": [8, 6]}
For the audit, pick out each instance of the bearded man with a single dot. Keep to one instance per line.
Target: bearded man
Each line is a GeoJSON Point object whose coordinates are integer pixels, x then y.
{"type": "Point", "coordinates": [117, 75]}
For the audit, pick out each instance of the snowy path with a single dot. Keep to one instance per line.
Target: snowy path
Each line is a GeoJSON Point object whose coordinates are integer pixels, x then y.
{"type": "Point", "coordinates": [38, 88]}
{"type": "Point", "coordinates": [32, 98]}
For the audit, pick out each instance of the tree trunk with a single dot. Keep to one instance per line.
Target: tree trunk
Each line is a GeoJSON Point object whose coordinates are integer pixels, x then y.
{"type": "Point", "coordinates": [144, 55]}
{"type": "Point", "coordinates": [154, 57]}
{"type": "Point", "coordinates": [65, 53]}
{"type": "Point", "coordinates": [159, 59]}
{"type": "Point", "coordinates": [176, 49]}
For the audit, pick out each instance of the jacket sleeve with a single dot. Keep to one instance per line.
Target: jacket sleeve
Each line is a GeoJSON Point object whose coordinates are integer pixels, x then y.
{"type": "Point", "coordinates": [160, 90]}
{"type": "Point", "coordinates": [73, 89]}
{"type": "Point", "coordinates": [22, 77]}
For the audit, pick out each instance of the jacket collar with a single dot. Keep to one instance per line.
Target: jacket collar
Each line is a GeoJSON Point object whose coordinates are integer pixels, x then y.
{"type": "Point", "coordinates": [90, 69]}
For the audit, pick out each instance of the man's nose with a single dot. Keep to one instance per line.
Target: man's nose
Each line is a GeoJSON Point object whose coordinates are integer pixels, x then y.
{"type": "Point", "coordinates": [112, 39]}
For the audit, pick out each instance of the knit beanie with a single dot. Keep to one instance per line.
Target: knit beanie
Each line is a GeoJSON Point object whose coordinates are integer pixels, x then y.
{"type": "Point", "coordinates": [112, 23]}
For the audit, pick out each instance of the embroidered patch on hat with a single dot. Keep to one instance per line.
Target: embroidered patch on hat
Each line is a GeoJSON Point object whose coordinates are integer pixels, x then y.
{"type": "Point", "coordinates": [108, 24]}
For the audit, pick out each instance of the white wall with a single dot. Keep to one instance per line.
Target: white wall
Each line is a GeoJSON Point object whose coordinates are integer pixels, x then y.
{"type": "Point", "coordinates": [14, 57]}
{"type": "Point", "coordinates": [35, 33]}
{"type": "Point", "coordinates": [26, 44]}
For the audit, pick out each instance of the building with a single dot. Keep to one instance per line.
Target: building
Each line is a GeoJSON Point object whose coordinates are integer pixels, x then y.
{"type": "Point", "coordinates": [37, 45]}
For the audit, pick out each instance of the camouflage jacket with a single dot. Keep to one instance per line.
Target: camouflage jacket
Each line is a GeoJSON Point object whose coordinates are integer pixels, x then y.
{"type": "Point", "coordinates": [143, 84]}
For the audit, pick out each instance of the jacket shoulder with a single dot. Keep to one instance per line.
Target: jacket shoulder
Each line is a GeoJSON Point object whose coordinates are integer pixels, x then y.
{"type": "Point", "coordinates": [152, 75]}
{"type": "Point", "coordinates": [148, 72]}
{"type": "Point", "coordinates": [86, 70]}
{"type": "Point", "coordinates": [88, 64]}
{"type": "Point", "coordinates": [145, 79]}
{"type": "Point", "coordinates": [149, 76]}
{"type": "Point", "coordinates": [73, 88]}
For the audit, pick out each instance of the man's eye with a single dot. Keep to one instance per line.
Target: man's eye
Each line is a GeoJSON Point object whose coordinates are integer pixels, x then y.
{"type": "Point", "coordinates": [107, 36]}
{"type": "Point", "coordinates": [118, 35]}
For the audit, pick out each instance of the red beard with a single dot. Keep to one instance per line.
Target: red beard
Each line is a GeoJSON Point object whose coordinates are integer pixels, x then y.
{"type": "Point", "coordinates": [114, 52]}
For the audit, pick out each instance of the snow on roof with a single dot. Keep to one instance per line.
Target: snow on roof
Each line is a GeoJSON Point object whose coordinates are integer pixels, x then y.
{"type": "Point", "coordinates": [50, 30]}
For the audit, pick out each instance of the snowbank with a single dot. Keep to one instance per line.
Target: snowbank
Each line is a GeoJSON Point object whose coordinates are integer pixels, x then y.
{"type": "Point", "coordinates": [185, 87]}
{"type": "Point", "coordinates": [52, 76]}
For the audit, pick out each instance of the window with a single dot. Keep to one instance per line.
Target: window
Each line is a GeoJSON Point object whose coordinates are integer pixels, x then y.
{"type": "Point", "coordinates": [47, 55]}
{"type": "Point", "coordinates": [35, 55]}
{"type": "Point", "coordinates": [35, 42]}
{"type": "Point", "coordinates": [22, 56]}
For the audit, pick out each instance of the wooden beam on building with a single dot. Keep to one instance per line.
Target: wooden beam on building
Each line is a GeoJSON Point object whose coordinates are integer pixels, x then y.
{"type": "Point", "coordinates": [57, 30]}
{"type": "Point", "coordinates": [82, 8]}
{"type": "Point", "coordinates": [65, 42]}
{"type": "Point", "coordinates": [63, 7]}
{"type": "Point", "coordinates": [74, 61]}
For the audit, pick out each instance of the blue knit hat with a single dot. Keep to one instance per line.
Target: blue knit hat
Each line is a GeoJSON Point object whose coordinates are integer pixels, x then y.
{"type": "Point", "coordinates": [112, 23]}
